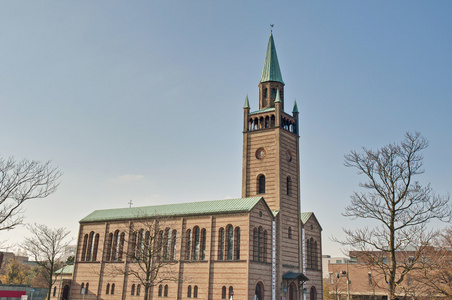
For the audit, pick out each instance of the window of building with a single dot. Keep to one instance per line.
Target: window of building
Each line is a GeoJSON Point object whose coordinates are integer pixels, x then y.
{"type": "Point", "coordinates": [273, 93]}
{"type": "Point", "coordinates": [82, 287]}
{"type": "Point", "coordinates": [255, 245]}
{"type": "Point", "coordinates": [203, 244]}
{"type": "Point", "coordinates": [85, 243]}
{"type": "Point", "coordinates": [196, 231]}
{"type": "Point", "coordinates": [230, 242]}
{"type": "Point", "coordinates": [230, 291]}
{"type": "Point", "coordinates": [54, 291]}
{"type": "Point", "coordinates": [160, 290]}
{"type": "Point", "coordinates": [237, 243]}
{"type": "Point", "coordinates": [259, 243]}
{"type": "Point", "coordinates": [221, 244]}
{"type": "Point", "coordinates": [113, 289]}
{"type": "Point", "coordinates": [90, 248]}
{"type": "Point", "coordinates": [107, 290]}
{"type": "Point", "coordinates": [138, 289]}
{"type": "Point", "coordinates": [96, 246]}
{"type": "Point", "coordinates": [265, 93]}
{"type": "Point", "coordinates": [288, 186]}
{"type": "Point", "coordinates": [165, 291]}
{"type": "Point", "coordinates": [188, 245]}
{"type": "Point", "coordinates": [87, 288]}
{"type": "Point", "coordinates": [189, 292]}
{"type": "Point", "coordinates": [195, 291]}
{"type": "Point", "coordinates": [384, 260]}
{"type": "Point", "coordinates": [261, 184]}
{"type": "Point", "coordinates": [133, 290]}
{"type": "Point", "coordinates": [173, 244]}
{"type": "Point", "coordinates": [370, 278]}
{"type": "Point", "coordinates": [289, 232]}
{"type": "Point", "coordinates": [223, 292]}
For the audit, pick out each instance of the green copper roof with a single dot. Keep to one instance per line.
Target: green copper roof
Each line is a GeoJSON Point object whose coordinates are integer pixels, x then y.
{"type": "Point", "coordinates": [193, 208]}
{"type": "Point", "coordinates": [295, 107]}
{"type": "Point", "coordinates": [247, 103]}
{"type": "Point", "coordinates": [305, 217]}
{"type": "Point", "coordinates": [271, 71]}
{"type": "Point", "coordinates": [278, 97]}
{"type": "Point", "coordinates": [68, 269]}
{"type": "Point", "coordinates": [262, 110]}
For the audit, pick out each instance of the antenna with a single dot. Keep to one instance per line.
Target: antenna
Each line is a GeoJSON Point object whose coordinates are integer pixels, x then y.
{"type": "Point", "coordinates": [271, 27]}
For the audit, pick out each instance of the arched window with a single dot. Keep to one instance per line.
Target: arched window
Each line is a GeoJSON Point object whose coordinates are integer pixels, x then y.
{"type": "Point", "coordinates": [203, 244]}
{"type": "Point", "coordinates": [121, 246]}
{"type": "Point", "coordinates": [109, 244]}
{"type": "Point", "coordinates": [168, 241]}
{"type": "Point", "coordinates": [196, 232]}
{"type": "Point", "coordinates": [288, 185]}
{"type": "Point", "coordinates": [54, 291]}
{"type": "Point", "coordinates": [160, 245]}
{"type": "Point", "coordinates": [273, 93]}
{"type": "Point", "coordinates": [265, 93]}
{"type": "Point", "coordinates": [261, 184]}
{"type": "Point", "coordinates": [310, 258]}
{"type": "Point", "coordinates": [85, 242]}
{"type": "Point", "coordinates": [231, 289]}
{"type": "Point", "coordinates": [255, 245]}
{"type": "Point", "coordinates": [96, 246]}
{"type": "Point", "coordinates": [173, 244]}
{"type": "Point", "coordinates": [237, 243]}
{"type": "Point", "coordinates": [115, 246]}
{"type": "Point", "coordinates": [133, 290]}
{"type": "Point", "coordinates": [107, 290]}
{"type": "Point", "coordinates": [289, 232]}
{"type": "Point", "coordinates": [195, 292]}
{"type": "Point", "coordinates": [264, 246]}
{"type": "Point", "coordinates": [223, 292]}
{"type": "Point", "coordinates": [314, 257]}
{"type": "Point", "coordinates": [230, 242]}
{"type": "Point", "coordinates": [188, 245]}
{"type": "Point", "coordinates": [313, 293]}
{"type": "Point", "coordinates": [160, 290]}
{"type": "Point", "coordinates": [259, 243]}
{"type": "Point", "coordinates": [189, 292]}
{"type": "Point", "coordinates": [82, 287]}
{"type": "Point", "coordinates": [165, 291]}
{"type": "Point", "coordinates": [113, 289]}
{"type": "Point", "coordinates": [221, 244]}
{"type": "Point", "coordinates": [89, 248]}
{"type": "Point", "coordinates": [138, 289]}
{"type": "Point", "coordinates": [87, 288]}
{"type": "Point", "coordinates": [259, 292]}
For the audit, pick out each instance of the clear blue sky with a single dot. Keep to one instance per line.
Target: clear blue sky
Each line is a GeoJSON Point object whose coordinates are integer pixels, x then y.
{"type": "Point", "coordinates": [143, 100]}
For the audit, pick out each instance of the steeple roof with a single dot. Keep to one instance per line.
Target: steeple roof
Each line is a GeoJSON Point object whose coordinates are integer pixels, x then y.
{"type": "Point", "coordinates": [271, 71]}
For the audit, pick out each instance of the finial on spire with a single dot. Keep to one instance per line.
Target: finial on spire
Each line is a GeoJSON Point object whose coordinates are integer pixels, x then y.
{"type": "Point", "coordinates": [295, 107]}
{"type": "Point", "coordinates": [271, 27]}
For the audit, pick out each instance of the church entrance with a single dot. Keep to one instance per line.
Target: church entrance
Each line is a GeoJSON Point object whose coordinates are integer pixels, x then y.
{"type": "Point", "coordinates": [259, 293]}
{"type": "Point", "coordinates": [313, 293]}
{"type": "Point", "coordinates": [65, 295]}
{"type": "Point", "coordinates": [293, 291]}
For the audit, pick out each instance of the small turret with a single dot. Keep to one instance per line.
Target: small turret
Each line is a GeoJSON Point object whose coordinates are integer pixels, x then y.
{"type": "Point", "coordinates": [246, 111]}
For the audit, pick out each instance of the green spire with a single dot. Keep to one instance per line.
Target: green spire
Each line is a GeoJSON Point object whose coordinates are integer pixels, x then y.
{"type": "Point", "coordinates": [271, 71]}
{"type": "Point", "coordinates": [295, 107]}
{"type": "Point", "coordinates": [247, 103]}
{"type": "Point", "coordinates": [278, 97]}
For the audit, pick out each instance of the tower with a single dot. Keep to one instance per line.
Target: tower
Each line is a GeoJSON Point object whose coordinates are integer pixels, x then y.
{"type": "Point", "coordinates": [271, 167]}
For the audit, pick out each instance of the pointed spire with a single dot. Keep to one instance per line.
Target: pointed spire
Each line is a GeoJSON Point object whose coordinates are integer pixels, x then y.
{"type": "Point", "coordinates": [247, 103]}
{"type": "Point", "coordinates": [295, 107]}
{"type": "Point", "coordinates": [278, 97]}
{"type": "Point", "coordinates": [271, 71]}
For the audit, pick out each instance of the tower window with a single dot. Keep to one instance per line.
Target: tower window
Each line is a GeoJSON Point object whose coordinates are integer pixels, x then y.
{"type": "Point", "coordinates": [265, 92]}
{"type": "Point", "coordinates": [288, 186]}
{"type": "Point", "coordinates": [273, 93]}
{"type": "Point", "coordinates": [261, 184]}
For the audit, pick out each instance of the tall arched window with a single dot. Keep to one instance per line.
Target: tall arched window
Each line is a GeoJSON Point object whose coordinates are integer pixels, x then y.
{"type": "Point", "coordinates": [115, 246]}
{"type": "Point", "coordinates": [261, 184]}
{"type": "Point", "coordinates": [313, 293]}
{"type": "Point", "coordinates": [113, 289]}
{"type": "Point", "coordinates": [259, 243]}
{"type": "Point", "coordinates": [223, 292]}
{"type": "Point", "coordinates": [188, 245]}
{"type": "Point", "coordinates": [255, 245]}
{"type": "Point", "coordinates": [107, 290]}
{"type": "Point", "coordinates": [54, 291]}
{"type": "Point", "coordinates": [89, 250]}
{"type": "Point", "coordinates": [315, 258]}
{"type": "Point", "coordinates": [230, 242]}
{"type": "Point", "coordinates": [96, 246]}
{"type": "Point", "coordinates": [82, 287]}
{"type": "Point", "coordinates": [196, 234]}
{"type": "Point", "coordinates": [85, 243]}
{"type": "Point", "coordinates": [160, 245]}
{"type": "Point", "coordinates": [167, 250]}
{"type": "Point", "coordinates": [173, 244]}
{"type": "Point", "coordinates": [87, 288]}
{"type": "Point", "coordinates": [160, 290]}
{"type": "Point", "coordinates": [165, 291]}
{"type": "Point", "coordinates": [203, 244]}
{"type": "Point", "coordinates": [237, 243]}
{"type": "Point", "coordinates": [195, 292]}
{"type": "Point", "coordinates": [189, 292]}
{"type": "Point", "coordinates": [221, 244]}
{"type": "Point", "coordinates": [264, 246]}
{"type": "Point", "coordinates": [133, 290]}
{"type": "Point", "coordinates": [138, 289]}
{"type": "Point", "coordinates": [231, 289]}
{"type": "Point", "coordinates": [121, 246]}
{"type": "Point", "coordinates": [109, 245]}
{"type": "Point", "coordinates": [310, 252]}
{"type": "Point", "coordinates": [288, 185]}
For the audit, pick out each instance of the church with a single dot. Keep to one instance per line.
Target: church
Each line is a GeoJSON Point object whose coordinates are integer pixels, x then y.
{"type": "Point", "coordinates": [260, 246]}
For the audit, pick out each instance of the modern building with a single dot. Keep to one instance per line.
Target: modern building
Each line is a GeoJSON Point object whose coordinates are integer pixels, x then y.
{"type": "Point", "coordinates": [260, 246]}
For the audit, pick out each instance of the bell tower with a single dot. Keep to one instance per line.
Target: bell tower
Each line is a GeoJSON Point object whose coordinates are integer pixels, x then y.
{"type": "Point", "coordinates": [271, 166]}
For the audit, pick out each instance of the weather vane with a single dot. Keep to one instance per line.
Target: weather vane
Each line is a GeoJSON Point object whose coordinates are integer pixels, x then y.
{"type": "Point", "coordinates": [271, 27]}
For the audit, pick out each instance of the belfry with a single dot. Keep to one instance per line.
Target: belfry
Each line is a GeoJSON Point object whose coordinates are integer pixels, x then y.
{"type": "Point", "coordinates": [260, 246]}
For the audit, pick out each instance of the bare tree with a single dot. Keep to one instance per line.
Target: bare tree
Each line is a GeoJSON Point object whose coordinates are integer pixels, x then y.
{"type": "Point", "coordinates": [46, 246]}
{"type": "Point", "coordinates": [21, 181]}
{"type": "Point", "coordinates": [149, 248]}
{"type": "Point", "coordinates": [399, 206]}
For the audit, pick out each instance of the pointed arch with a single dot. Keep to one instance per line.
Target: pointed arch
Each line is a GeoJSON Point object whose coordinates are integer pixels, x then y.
{"type": "Point", "coordinates": [261, 184]}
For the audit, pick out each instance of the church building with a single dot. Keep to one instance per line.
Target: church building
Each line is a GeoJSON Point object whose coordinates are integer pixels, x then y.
{"type": "Point", "coordinates": [260, 246]}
